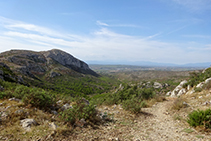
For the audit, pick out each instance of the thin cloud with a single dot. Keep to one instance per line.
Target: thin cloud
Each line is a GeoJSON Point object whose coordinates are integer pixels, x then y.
{"type": "Point", "coordinates": [195, 5]}
{"type": "Point", "coordinates": [101, 23]}
{"type": "Point", "coordinates": [118, 25]}
{"type": "Point", "coordinates": [103, 44]}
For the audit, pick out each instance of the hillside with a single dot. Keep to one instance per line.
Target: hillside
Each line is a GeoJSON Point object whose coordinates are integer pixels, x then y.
{"type": "Point", "coordinates": [54, 70]}
{"type": "Point", "coordinates": [48, 63]}
{"type": "Point", "coordinates": [77, 105]}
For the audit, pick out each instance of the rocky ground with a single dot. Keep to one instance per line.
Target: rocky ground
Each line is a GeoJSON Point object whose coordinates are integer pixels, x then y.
{"type": "Point", "coordinates": [156, 123]}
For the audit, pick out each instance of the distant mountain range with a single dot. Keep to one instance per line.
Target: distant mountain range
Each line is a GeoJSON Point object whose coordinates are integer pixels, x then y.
{"type": "Point", "coordinates": [151, 64]}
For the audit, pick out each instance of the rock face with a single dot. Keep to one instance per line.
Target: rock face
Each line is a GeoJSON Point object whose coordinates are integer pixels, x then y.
{"type": "Point", "coordinates": [179, 90]}
{"type": "Point", "coordinates": [157, 85]}
{"type": "Point", "coordinates": [31, 63]}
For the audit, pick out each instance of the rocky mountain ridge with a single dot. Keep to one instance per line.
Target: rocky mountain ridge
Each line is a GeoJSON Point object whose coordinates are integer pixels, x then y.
{"type": "Point", "coordinates": [49, 63]}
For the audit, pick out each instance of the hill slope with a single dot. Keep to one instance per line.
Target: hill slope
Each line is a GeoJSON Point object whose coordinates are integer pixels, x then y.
{"type": "Point", "coordinates": [49, 63]}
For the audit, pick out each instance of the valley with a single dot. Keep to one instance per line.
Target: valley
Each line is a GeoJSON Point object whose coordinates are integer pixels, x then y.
{"type": "Point", "coordinates": [51, 95]}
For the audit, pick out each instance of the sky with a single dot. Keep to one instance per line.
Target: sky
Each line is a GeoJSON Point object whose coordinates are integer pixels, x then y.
{"type": "Point", "coordinates": [123, 31]}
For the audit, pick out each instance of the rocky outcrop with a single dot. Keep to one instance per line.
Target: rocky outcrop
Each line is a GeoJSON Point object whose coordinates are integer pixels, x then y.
{"type": "Point", "coordinates": [6, 74]}
{"type": "Point", "coordinates": [179, 90]}
{"type": "Point", "coordinates": [157, 85]}
{"type": "Point", "coordinates": [32, 64]}
{"type": "Point", "coordinates": [27, 123]}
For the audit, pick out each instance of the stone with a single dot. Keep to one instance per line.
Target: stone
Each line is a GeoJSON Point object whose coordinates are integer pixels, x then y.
{"type": "Point", "coordinates": [80, 123]}
{"type": "Point", "coordinates": [59, 102]}
{"type": "Point", "coordinates": [207, 81]}
{"type": "Point", "coordinates": [27, 123]}
{"type": "Point", "coordinates": [168, 93]}
{"type": "Point", "coordinates": [14, 99]}
{"type": "Point", "coordinates": [200, 97]}
{"type": "Point", "coordinates": [200, 85]}
{"type": "Point", "coordinates": [157, 85]}
{"type": "Point", "coordinates": [53, 126]}
{"type": "Point", "coordinates": [181, 92]}
{"type": "Point", "coordinates": [189, 87]}
{"type": "Point", "coordinates": [19, 111]}
{"type": "Point", "coordinates": [186, 104]}
{"type": "Point", "coordinates": [66, 106]}
{"type": "Point", "coordinates": [54, 74]}
{"type": "Point", "coordinates": [3, 115]}
{"type": "Point", "coordinates": [54, 112]}
{"type": "Point", "coordinates": [85, 101]}
{"type": "Point", "coordinates": [183, 82]}
{"type": "Point", "coordinates": [206, 103]}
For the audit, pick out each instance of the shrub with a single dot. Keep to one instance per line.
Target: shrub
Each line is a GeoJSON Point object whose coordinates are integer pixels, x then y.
{"type": "Point", "coordinates": [3, 95]}
{"type": "Point", "coordinates": [178, 104]}
{"type": "Point", "coordinates": [146, 93]}
{"type": "Point", "coordinates": [21, 91]}
{"type": "Point", "coordinates": [200, 118]}
{"type": "Point", "coordinates": [6, 94]}
{"type": "Point", "coordinates": [208, 85]}
{"type": "Point", "coordinates": [132, 105]}
{"type": "Point", "coordinates": [80, 110]}
{"type": "Point", "coordinates": [198, 89]}
{"type": "Point", "coordinates": [38, 98]}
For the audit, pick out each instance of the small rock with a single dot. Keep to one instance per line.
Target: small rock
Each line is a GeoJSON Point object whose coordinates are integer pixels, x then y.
{"type": "Point", "coordinates": [14, 99]}
{"type": "Point", "coordinates": [53, 126]}
{"type": "Point", "coordinates": [206, 103]}
{"type": "Point", "coordinates": [54, 112]}
{"type": "Point", "coordinates": [81, 122]}
{"type": "Point", "coordinates": [27, 123]}
{"type": "Point", "coordinates": [186, 104]}
{"type": "Point", "coordinates": [59, 102]}
{"type": "Point", "coordinates": [200, 97]}
{"type": "Point", "coordinates": [4, 115]}
{"type": "Point", "coordinates": [168, 93]}
{"type": "Point", "coordinates": [66, 106]}
{"type": "Point", "coordinates": [1, 104]}
{"type": "Point", "coordinates": [19, 111]}
{"type": "Point", "coordinates": [85, 101]}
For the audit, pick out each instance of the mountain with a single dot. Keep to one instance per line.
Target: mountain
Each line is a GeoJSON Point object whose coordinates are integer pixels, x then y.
{"type": "Point", "coordinates": [50, 63]}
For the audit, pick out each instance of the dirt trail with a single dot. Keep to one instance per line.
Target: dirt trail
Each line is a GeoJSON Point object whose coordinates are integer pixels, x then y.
{"type": "Point", "coordinates": [161, 126]}
{"type": "Point", "coordinates": [155, 124]}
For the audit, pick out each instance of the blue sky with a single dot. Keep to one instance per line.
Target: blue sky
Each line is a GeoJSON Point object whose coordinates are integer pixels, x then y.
{"type": "Point", "coordinates": [164, 31]}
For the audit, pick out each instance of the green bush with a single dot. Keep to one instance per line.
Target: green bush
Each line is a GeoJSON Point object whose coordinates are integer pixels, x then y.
{"type": "Point", "coordinates": [196, 78]}
{"type": "Point", "coordinates": [200, 118]}
{"type": "Point", "coordinates": [78, 111]}
{"type": "Point", "coordinates": [198, 89]}
{"type": "Point", "coordinates": [3, 95]}
{"type": "Point", "coordinates": [146, 93]}
{"type": "Point", "coordinates": [132, 105]}
{"type": "Point", "coordinates": [38, 98]}
{"type": "Point", "coordinates": [21, 91]}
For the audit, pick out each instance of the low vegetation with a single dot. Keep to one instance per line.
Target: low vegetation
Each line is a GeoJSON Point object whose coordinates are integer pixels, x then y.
{"type": "Point", "coordinates": [200, 118]}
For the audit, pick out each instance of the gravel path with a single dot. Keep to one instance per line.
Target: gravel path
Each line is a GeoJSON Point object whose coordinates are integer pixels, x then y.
{"type": "Point", "coordinates": [161, 126]}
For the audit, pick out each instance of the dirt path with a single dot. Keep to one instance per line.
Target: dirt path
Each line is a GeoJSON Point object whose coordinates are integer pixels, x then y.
{"type": "Point", "coordinates": [161, 126]}
{"type": "Point", "coordinates": [155, 124]}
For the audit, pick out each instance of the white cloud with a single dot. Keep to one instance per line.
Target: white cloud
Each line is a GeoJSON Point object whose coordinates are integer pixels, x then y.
{"type": "Point", "coordinates": [100, 45]}
{"type": "Point", "coordinates": [101, 23]}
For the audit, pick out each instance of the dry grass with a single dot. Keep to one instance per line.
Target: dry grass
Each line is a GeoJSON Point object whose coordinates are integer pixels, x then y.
{"type": "Point", "coordinates": [179, 104]}
{"type": "Point", "coordinates": [152, 101]}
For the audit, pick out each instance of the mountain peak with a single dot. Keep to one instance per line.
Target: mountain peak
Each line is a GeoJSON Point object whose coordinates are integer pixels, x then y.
{"type": "Point", "coordinates": [32, 63]}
